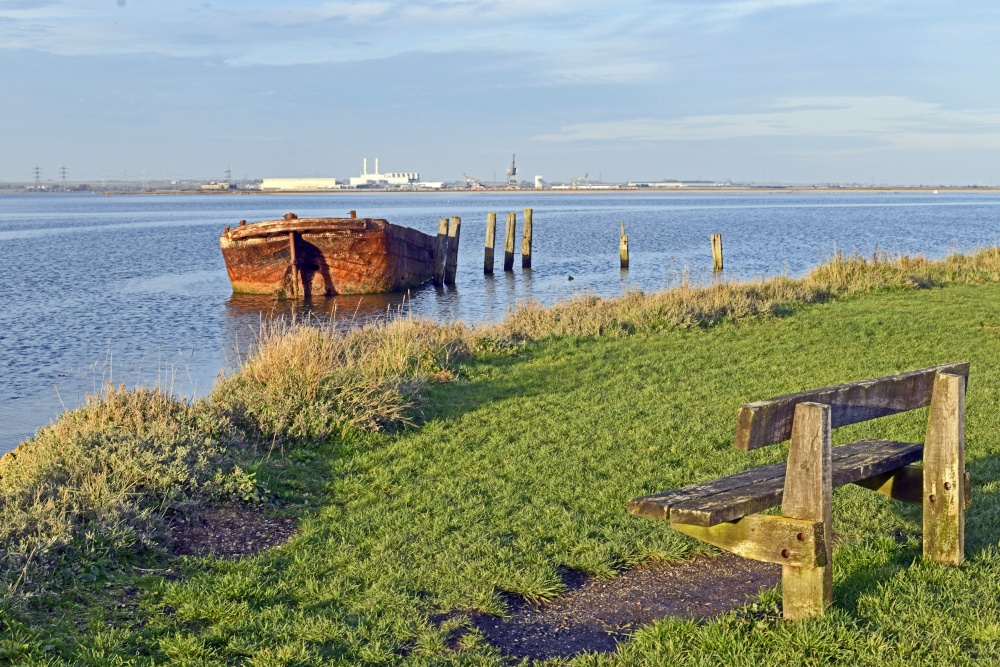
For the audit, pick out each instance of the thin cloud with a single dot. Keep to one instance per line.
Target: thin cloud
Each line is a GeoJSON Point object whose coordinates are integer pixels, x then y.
{"type": "Point", "coordinates": [889, 122]}
{"type": "Point", "coordinates": [573, 40]}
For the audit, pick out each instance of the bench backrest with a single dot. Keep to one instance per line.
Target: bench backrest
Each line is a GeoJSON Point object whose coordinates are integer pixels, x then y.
{"type": "Point", "coordinates": [768, 422]}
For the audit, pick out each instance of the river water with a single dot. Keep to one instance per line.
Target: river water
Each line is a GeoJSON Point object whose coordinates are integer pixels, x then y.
{"type": "Point", "coordinates": [133, 288]}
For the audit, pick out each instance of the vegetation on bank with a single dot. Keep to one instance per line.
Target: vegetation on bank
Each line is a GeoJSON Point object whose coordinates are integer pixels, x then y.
{"type": "Point", "coordinates": [532, 435]}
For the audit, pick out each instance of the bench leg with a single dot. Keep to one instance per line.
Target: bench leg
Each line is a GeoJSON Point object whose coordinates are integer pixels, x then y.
{"type": "Point", "coordinates": [807, 591]}
{"type": "Point", "coordinates": [944, 472]}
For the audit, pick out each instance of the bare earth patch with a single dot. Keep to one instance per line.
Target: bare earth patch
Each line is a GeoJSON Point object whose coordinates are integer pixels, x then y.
{"type": "Point", "coordinates": [230, 531]}
{"type": "Point", "coordinates": [595, 614]}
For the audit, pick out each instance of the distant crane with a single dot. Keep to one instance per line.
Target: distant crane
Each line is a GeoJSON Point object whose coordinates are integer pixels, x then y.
{"type": "Point", "coordinates": [512, 173]}
{"type": "Point", "coordinates": [473, 182]}
{"type": "Point", "coordinates": [577, 181]}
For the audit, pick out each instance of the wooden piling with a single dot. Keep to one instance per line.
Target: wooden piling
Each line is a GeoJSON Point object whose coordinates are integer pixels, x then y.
{"type": "Point", "coordinates": [294, 264]}
{"type": "Point", "coordinates": [526, 240]}
{"type": "Point", "coordinates": [454, 231]}
{"type": "Point", "coordinates": [441, 252]}
{"type": "Point", "coordinates": [508, 246]}
{"type": "Point", "coordinates": [491, 233]}
{"type": "Point", "coordinates": [716, 252]}
{"type": "Point", "coordinates": [623, 247]}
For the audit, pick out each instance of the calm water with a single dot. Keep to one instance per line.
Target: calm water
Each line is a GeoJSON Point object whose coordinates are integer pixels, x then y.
{"type": "Point", "coordinates": [134, 289]}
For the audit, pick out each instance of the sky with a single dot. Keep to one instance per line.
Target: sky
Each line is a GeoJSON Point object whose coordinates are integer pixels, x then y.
{"type": "Point", "coordinates": [793, 91]}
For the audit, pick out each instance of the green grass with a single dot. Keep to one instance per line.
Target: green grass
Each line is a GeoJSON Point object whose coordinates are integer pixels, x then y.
{"type": "Point", "coordinates": [523, 465]}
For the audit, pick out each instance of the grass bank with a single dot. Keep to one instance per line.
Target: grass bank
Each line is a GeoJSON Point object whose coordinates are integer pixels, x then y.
{"type": "Point", "coordinates": [435, 469]}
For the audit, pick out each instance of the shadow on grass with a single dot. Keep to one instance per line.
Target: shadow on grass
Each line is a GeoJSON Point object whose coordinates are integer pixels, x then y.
{"type": "Point", "coordinates": [982, 531]}
{"type": "Point", "coordinates": [481, 383]}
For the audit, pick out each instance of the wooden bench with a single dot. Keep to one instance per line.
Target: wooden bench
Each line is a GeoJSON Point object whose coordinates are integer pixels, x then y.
{"type": "Point", "coordinates": [723, 512]}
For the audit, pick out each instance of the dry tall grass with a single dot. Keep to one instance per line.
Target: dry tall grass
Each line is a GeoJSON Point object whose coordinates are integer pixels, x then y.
{"type": "Point", "coordinates": [687, 305]}
{"type": "Point", "coordinates": [312, 381]}
{"type": "Point", "coordinates": [93, 486]}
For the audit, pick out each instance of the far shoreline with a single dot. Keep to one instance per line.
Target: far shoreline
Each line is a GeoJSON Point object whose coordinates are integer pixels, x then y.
{"type": "Point", "coordinates": [551, 192]}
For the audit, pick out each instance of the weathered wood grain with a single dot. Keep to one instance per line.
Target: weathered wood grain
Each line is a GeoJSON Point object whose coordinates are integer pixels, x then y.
{"type": "Point", "coordinates": [441, 252]}
{"type": "Point", "coordinates": [491, 233]}
{"type": "Point", "coordinates": [508, 242]}
{"type": "Point", "coordinates": [729, 498]}
{"type": "Point", "coordinates": [771, 539]}
{"type": "Point", "coordinates": [716, 252]}
{"type": "Point", "coordinates": [768, 422]}
{"type": "Point", "coordinates": [657, 506]}
{"type": "Point", "coordinates": [807, 590]}
{"type": "Point", "coordinates": [454, 234]}
{"type": "Point", "coordinates": [906, 485]}
{"type": "Point", "coordinates": [526, 239]}
{"type": "Point", "coordinates": [944, 472]}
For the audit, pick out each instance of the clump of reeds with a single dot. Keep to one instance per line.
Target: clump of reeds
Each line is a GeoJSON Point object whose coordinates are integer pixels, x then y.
{"type": "Point", "coordinates": [311, 381]}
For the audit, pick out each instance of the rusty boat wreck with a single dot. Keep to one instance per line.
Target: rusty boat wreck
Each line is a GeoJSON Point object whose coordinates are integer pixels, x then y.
{"type": "Point", "coordinates": [305, 257]}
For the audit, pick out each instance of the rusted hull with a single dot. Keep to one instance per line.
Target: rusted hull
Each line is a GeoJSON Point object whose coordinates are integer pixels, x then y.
{"type": "Point", "coordinates": [326, 256]}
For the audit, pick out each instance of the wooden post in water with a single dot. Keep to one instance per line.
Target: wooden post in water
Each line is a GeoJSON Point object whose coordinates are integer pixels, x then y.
{"type": "Point", "coordinates": [454, 231]}
{"type": "Point", "coordinates": [526, 240]}
{"type": "Point", "coordinates": [623, 247]}
{"type": "Point", "coordinates": [491, 234]}
{"type": "Point", "coordinates": [716, 252]}
{"type": "Point", "coordinates": [295, 264]}
{"type": "Point", "coordinates": [508, 245]}
{"type": "Point", "coordinates": [441, 252]}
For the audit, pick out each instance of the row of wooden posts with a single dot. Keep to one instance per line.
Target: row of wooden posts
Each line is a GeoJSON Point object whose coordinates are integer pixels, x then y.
{"type": "Point", "coordinates": [449, 232]}
{"type": "Point", "coordinates": [509, 240]}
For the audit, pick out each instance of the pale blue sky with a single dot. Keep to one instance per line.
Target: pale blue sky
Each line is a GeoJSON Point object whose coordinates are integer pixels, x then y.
{"type": "Point", "coordinates": [779, 90]}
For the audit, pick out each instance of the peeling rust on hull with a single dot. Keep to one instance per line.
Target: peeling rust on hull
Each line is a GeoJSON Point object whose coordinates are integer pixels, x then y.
{"type": "Point", "coordinates": [304, 257]}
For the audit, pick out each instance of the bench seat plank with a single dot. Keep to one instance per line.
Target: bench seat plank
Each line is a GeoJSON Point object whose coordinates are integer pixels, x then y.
{"type": "Point", "coordinates": [657, 506]}
{"type": "Point", "coordinates": [735, 496]}
{"type": "Point", "coordinates": [767, 422]}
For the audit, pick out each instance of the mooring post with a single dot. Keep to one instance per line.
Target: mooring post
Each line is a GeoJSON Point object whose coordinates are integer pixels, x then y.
{"type": "Point", "coordinates": [491, 234]}
{"type": "Point", "coordinates": [716, 252]}
{"type": "Point", "coordinates": [454, 231]}
{"type": "Point", "coordinates": [526, 240]}
{"type": "Point", "coordinates": [623, 247]}
{"type": "Point", "coordinates": [508, 246]}
{"type": "Point", "coordinates": [441, 252]}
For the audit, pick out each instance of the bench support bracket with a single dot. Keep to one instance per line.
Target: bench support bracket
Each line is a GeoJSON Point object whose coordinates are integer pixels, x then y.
{"type": "Point", "coordinates": [770, 539]}
{"type": "Point", "coordinates": [906, 485]}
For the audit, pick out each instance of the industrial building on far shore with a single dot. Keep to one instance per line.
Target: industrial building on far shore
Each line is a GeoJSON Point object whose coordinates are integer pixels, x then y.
{"type": "Point", "coordinates": [299, 184]}
{"type": "Point", "coordinates": [401, 180]}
